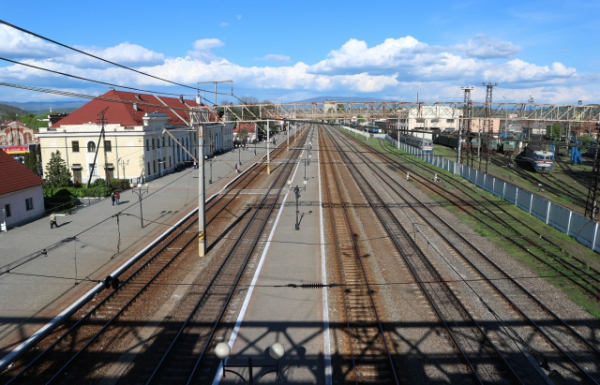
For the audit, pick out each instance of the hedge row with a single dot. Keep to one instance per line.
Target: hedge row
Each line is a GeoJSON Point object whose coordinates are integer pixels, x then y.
{"type": "Point", "coordinates": [67, 193]}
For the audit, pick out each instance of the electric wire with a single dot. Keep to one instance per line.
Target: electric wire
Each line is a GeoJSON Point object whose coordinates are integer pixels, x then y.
{"type": "Point", "coordinates": [95, 81]}
{"type": "Point", "coordinates": [94, 56]}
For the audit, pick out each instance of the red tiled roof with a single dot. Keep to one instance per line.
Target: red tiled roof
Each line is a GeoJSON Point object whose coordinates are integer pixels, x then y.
{"type": "Point", "coordinates": [15, 176]}
{"type": "Point", "coordinates": [121, 110]}
{"type": "Point", "coordinates": [251, 127]}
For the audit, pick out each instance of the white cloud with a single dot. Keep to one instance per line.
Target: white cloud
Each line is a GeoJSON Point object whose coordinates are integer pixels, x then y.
{"type": "Point", "coordinates": [19, 45]}
{"type": "Point", "coordinates": [239, 17]}
{"type": "Point", "coordinates": [484, 47]}
{"type": "Point", "coordinates": [355, 56]}
{"type": "Point", "coordinates": [207, 44]}
{"type": "Point", "coordinates": [397, 68]}
{"type": "Point", "coordinates": [518, 70]}
{"type": "Point", "coordinates": [224, 24]}
{"type": "Point", "coordinates": [126, 53]}
{"type": "Point", "coordinates": [275, 57]}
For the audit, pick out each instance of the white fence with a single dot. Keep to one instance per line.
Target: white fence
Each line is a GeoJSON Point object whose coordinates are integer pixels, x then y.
{"type": "Point", "coordinates": [573, 224]}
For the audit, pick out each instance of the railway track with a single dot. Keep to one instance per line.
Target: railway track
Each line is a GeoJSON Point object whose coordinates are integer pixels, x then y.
{"type": "Point", "coordinates": [369, 358]}
{"type": "Point", "coordinates": [485, 362]}
{"type": "Point", "coordinates": [474, 270]}
{"type": "Point", "coordinates": [103, 320]}
{"type": "Point", "coordinates": [574, 271]}
{"type": "Point", "coordinates": [546, 181]}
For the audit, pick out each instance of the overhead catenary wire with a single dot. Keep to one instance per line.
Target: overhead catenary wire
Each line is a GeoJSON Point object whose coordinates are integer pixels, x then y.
{"type": "Point", "coordinates": [99, 81]}
{"type": "Point", "coordinates": [106, 61]}
{"type": "Point", "coordinates": [94, 56]}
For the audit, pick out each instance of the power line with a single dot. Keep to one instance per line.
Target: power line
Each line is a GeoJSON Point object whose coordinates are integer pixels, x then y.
{"type": "Point", "coordinates": [94, 56]}
{"type": "Point", "coordinates": [95, 81]}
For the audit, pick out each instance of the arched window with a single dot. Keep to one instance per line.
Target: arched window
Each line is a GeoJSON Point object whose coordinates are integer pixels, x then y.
{"type": "Point", "coordinates": [91, 147]}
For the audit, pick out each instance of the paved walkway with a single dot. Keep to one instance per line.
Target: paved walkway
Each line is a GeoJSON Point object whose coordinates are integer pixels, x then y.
{"type": "Point", "coordinates": [91, 243]}
{"type": "Point", "coordinates": [273, 311]}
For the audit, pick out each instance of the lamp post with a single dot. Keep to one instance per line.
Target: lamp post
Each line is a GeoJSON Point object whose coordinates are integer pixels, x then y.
{"type": "Point", "coordinates": [124, 162]}
{"type": "Point", "coordinates": [210, 163]}
{"type": "Point", "coordinates": [140, 193]}
{"type": "Point", "coordinates": [240, 154]}
{"type": "Point", "coordinates": [297, 193]}
{"type": "Point", "coordinates": [276, 351]}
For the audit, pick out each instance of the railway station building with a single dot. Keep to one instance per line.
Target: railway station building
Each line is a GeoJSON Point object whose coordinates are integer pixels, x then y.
{"type": "Point", "coordinates": [136, 145]}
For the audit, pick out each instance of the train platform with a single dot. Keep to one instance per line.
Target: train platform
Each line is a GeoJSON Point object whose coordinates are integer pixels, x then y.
{"type": "Point", "coordinates": [43, 270]}
{"type": "Point", "coordinates": [277, 308]}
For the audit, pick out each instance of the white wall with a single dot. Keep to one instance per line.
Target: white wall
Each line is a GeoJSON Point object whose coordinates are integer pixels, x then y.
{"type": "Point", "coordinates": [18, 208]}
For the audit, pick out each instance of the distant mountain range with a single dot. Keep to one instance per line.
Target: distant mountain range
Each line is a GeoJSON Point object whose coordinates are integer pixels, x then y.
{"type": "Point", "coordinates": [6, 109]}
{"type": "Point", "coordinates": [42, 107]}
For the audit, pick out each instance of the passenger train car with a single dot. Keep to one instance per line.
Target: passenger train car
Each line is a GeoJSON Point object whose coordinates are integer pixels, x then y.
{"type": "Point", "coordinates": [424, 144]}
{"type": "Point", "coordinates": [540, 159]}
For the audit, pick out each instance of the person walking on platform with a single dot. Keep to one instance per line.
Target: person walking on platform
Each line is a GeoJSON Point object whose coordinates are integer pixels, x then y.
{"type": "Point", "coordinates": [53, 221]}
{"type": "Point", "coordinates": [113, 198]}
{"type": "Point", "coordinates": [117, 197]}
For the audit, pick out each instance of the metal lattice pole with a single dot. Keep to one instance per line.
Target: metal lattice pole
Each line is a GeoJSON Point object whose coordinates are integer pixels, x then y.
{"type": "Point", "coordinates": [591, 204]}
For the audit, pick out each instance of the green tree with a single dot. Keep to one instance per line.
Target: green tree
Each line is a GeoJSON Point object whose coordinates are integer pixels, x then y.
{"type": "Point", "coordinates": [31, 162]}
{"type": "Point", "coordinates": [553, 132]}
{"type": "Point", "coordinates": [57, 173]}
{"type": "Point", "coordinates": [242, 135]}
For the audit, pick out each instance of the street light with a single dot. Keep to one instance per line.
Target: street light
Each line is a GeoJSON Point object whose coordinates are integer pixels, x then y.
{"type": "Point", "coordinates": [276, 351]}
{"type": "Point", "coordinates": [210, 163]}
{"type": "Point", "coordinates": [140, 193]}
{"type": "Point", "coordinates": [124, 162]}
{"type": "Point", "coordinates": [297, 192]}
{"type": "Point", "coordinates": [239, 146]}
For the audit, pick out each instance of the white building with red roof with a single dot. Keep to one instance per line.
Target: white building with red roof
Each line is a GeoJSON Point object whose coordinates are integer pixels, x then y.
{"type": "Point", "coordinates": [135, 142]}
{"type": "Point", "coordinates": [21, 195]}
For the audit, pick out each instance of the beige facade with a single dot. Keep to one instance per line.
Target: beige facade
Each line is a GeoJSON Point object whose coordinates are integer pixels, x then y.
{"type": "Point", "coordinates": [138, 153]}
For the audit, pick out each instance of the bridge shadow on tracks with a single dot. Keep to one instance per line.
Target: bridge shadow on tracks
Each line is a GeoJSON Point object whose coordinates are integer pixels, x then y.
{"type": "Point", "coordinates": [413, 364]}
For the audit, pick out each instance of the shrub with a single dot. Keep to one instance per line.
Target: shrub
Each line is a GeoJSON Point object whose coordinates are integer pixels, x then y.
{"type": "Point", "coordinates": [120, 184]}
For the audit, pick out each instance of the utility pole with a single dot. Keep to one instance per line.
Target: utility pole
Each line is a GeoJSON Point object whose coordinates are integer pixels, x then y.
{"type": "Point", "coordinates": [214, 83]}
{"type": "Point", "coordinates": [488, 127]}
{"type": "Point", "coordinates": [466, 123]}
{"type": "Point", "coordinates": [591, 206]}
{"type": "Point", "coordinates": [268, 153]}
{"type": "Point", "coordinates": [98, 148]}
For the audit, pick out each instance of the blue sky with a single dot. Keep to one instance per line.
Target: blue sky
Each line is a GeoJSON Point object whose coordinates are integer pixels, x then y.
{"type": "Point", "coordinates": [288, 51]}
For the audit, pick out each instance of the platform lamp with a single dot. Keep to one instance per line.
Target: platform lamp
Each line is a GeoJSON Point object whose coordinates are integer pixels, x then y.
{"type": "Point", "coordinates": [297, 193]}
{"type": "Point", "coordinates": [210, 162]}
{"type": "Point", "coordinates": [276, 351]}
{"type": "Point", "coordinates": [140, 194]}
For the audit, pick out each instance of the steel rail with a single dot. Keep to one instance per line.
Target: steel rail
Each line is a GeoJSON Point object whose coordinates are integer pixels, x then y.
{"type": "Point", "coordinates": [79, 323]}
{"type": "Point", "coordinates": [548, 338]}
{"type": "Point", "coordinates": [529, 240]}
{"type": "Point", "coordinates": [98, 306]}
{"type": "Point", "coordinates": [364, 276]}
{"type": "Point", "coordinates": [221, 269]}
{"type": "Point", "coordinates": [364, 186]}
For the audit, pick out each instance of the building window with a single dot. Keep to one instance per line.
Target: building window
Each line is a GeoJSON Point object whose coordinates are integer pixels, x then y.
{"type": "Point", "coordinates": [108, 146]}
{"type": "Point", "coordinates": [91, 147]}
{"type": "Point", "coordinates": [76, 175]}
{"type": "Point", "coordinates": [148, 172]}
{"type": "Point", "coordinates": [75, 146]}
{"type": "Point", "coordinates": [29, 204]}
{"type": "Point", "coordinates": [147, 145]}
{"type": "Point", "coordinates": [153, 143]}
{"type": "Point", "coordinates": [169, 141]}
{"type": "Point", "coordinates": [7, 210]}
{"type": "Point", "coordinates": [170, 161]}
{"type": "Point", "coordinates": [158, 142]}
{"type": "Point", "coordinates": [449, 120]}
{"type": "Point", "coordinates": [154, 164]}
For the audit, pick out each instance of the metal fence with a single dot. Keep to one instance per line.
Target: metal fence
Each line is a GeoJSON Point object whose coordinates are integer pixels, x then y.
{"type": "Point", "coordinates": [573, 224]}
